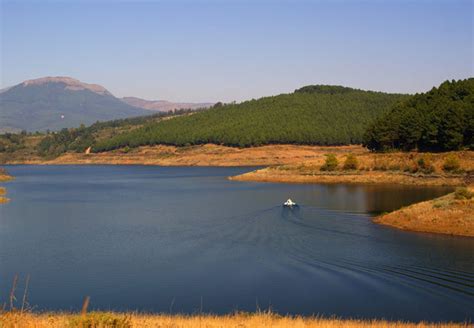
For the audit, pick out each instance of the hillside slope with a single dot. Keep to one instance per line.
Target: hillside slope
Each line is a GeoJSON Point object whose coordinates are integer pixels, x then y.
{"type": "Point", "coordinates": [318, 115]}
{"type": "Point", "coordinates": [59, 102]}
{"type": "Point", "coordinates": [441, 119]}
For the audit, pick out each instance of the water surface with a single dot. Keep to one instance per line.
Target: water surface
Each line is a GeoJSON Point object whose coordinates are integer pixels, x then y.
{"type": "Point", "coordinates": [189, 240]}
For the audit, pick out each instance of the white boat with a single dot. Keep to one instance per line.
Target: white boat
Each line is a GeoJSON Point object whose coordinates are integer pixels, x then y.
{"type": "Point", "coordinates": [289, 203]}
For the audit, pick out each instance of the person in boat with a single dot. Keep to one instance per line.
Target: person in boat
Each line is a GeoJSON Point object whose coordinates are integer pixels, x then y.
{"type": "Point", "coordinates": [289, 202]}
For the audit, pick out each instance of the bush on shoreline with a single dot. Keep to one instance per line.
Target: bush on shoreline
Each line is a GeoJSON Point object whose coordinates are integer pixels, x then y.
{"type": "Point", "coordinates": [351, 162]}
{"type": "Point", "coordinates": [462, 193]}
{"type": "Point", "coordinates": [330, 163]}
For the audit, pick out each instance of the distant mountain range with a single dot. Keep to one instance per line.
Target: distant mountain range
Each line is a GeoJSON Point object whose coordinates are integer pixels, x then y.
{"type": "Point", "coordinates": [162, 105]}
{"type": "Point", "coordinates": [53, 103]}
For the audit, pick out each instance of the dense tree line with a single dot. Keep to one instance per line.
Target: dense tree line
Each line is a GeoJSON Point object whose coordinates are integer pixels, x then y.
{"type": "Point", "coordinates": [11, 142]}
{"type": "Point", "coordinates": [439, 120]}
{"type": "Point", "coordinates": [319, 115]}
{"type": "Point", "coordinates": [76, 140]}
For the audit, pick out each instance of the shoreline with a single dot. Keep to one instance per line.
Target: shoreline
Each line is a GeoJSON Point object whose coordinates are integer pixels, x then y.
{"type": "Point", "coordinates": [4, 177]}
{"type": "Point", "coordinates": [371, 178]}
{"type": "Point", "coordinates": [259, 319]}
{"type": "Point", "coordinates": [451, 214]}
{"type": "Point", "coordinates": [202, 155]}
{"type": "Point", "coordinates": [283, 163]}
{"type": "Point", "coordinates": [303, 165]}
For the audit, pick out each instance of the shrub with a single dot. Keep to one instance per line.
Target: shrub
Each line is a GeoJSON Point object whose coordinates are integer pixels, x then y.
{"type": "Point", "coordinates": [463, 193]}
{"type": "Point", "coordinates": [330, 164]}
{"type": "Point", "coordinates": [425, 164]}
{"type": "Point", "coordinates": [100, 319]}
{"type": "Point", "coordinates": [351, 162]}
{"type": "Point", "coordinates": [451, 163]}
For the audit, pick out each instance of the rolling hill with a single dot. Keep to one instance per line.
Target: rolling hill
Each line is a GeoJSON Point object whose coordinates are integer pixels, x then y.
{"type": "Point", "coordinates": [316, 115]}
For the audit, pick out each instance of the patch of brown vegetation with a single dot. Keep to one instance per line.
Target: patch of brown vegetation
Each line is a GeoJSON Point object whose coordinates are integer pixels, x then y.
{"type": "Point", "coordinates": [288, 163]}
{"type": "Point", "coordinates": [126, 320]}
{"type": "Point", "coordinates": [283, 175]}
{"type": "Point", "coordinates": [449, 214]}
{"type": "Point", "coordinates": [387, 168]}
{"type": "Point", "coordinates": [204, 155]}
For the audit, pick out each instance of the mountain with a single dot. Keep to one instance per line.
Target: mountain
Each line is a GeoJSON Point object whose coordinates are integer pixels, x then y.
{"type": "Point", "coordinates": [162, 105]}
{"type": "Point", "coordinates": [321, 114]}
{"type": "Point", "coordinates": [59, 102]}
{"type": "Point", "coordinates": [441, 119]}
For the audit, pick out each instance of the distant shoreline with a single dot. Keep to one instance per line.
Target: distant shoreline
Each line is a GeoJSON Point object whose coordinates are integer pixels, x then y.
{"type": "Point", "coordinates": [371, 177]}
{"type": "Point", "coordinates": [202, 155]}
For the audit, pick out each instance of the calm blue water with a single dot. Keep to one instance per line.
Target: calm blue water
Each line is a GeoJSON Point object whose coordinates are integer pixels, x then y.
{"type": "Point", "coordinates": [178, 239]}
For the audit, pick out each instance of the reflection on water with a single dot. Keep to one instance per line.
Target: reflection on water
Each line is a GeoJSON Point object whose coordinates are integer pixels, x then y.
{"type": "Point", "coordinates": [135, 237]}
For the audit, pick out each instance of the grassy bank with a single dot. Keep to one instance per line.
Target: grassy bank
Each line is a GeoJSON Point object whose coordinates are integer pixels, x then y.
{"type": "Point", "coordinates": [203, 155]}
{"type": "Point", "coordinates": [448, 169]}
{"type": "Point", "coordinates": [125, 320]}
{"type": "Point", "coordinates": [451, 214]}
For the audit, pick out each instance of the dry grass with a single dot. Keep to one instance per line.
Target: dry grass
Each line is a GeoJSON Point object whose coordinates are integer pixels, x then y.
{"type": "Point", "coordinates": [399, 168]}
{"type": "Point", "coordinates": [288, 163]}
{"type": "Point", "coordinates": [446, 215]}
{"type": "Point", "coordinates": [110, 319]}
{"type": "Point", "coordinates": [15, 316]}
{"type": "Point", "coordinates": [204, 155]}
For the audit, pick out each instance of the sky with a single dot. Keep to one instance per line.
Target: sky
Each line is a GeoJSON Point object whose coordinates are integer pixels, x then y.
{"type": "Point", "coordinates": [214, 50]}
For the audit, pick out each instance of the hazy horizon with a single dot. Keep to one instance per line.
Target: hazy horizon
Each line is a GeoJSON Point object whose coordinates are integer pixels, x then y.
{"type": "Point", "coordinates": [200, 51]}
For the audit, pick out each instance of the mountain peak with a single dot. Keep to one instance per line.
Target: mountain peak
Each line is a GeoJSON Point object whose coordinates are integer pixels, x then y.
{"type": "Point", "coordinates": [71, 84]}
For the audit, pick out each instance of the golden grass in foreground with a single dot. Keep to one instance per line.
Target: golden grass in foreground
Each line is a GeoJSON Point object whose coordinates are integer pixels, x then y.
{"type": "Point", "coordinates": [126, 320]}
{"type": "Point", "coordinates": [446, 215]}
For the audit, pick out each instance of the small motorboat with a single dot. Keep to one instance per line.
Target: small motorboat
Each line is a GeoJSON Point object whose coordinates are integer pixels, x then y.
{"type": "Point", "coordinates": [289, 203]}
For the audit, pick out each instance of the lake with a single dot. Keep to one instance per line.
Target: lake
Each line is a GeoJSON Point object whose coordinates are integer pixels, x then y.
{"type": "Point", "coordinates": [186, 240]}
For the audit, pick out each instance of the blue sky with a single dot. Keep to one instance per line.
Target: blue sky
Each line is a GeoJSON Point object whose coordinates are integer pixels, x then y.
{"type": "Point", "coordinates": [237, 50]}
